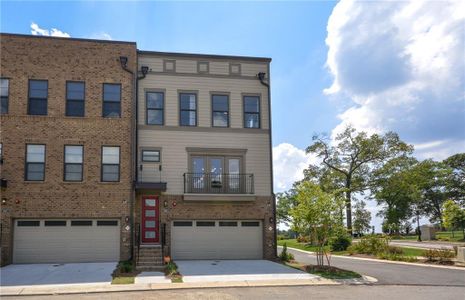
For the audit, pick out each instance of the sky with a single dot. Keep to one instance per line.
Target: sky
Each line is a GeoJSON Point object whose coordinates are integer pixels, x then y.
{"type": "Point", "coordinates": [379, 66]}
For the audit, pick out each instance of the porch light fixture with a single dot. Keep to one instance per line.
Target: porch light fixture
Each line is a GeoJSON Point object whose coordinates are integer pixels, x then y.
{"type": "Point", "coordinates": [126, 219]}
{"type": "Point", "coordinates": [124, 61]}
{"type": "Point", "coordinates": [165, 203]}
{"type": "Point", "coordinates": [271, 220]}
{"type": "Point", "coordinates": [3, 200]}
{"type": "Point", "coordinates": [144, 70]}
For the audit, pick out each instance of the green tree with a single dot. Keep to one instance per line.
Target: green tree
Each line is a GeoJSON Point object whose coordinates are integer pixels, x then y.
{"type": "Point", "coordinates": [362, 218]}
{"type": "Point", "coordinates": [455, 184]}
{"type": "Point", "coordinates": [353, 156]}
{"type": "Point", "coordinates": [286, 201]}
{"type": "Point", "coordinates": [318, 213]}
{"type": "Point", "coordinates": [454, 216]}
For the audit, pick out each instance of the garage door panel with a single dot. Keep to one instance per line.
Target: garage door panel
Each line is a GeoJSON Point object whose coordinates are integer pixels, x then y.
{"type": "Point", "coordinates": [61, 244]}
{"type": "Point", "coordinates": [218, 242]}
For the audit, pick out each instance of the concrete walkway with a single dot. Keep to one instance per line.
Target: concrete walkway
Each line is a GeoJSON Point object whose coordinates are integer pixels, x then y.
{"type": "Point", "coordinates": [237, 270]}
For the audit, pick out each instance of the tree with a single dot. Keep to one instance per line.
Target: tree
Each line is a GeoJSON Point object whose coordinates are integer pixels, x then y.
{"type": "Point", "coordinates": [395, 189]}
{"type": "Point", "coordinates": [453, 216]}
{"type": "Point", "coordinates": [455, 184]}
{"type": "Point", "coordinates": [286, 201]}
{"type": "Point", "coordinates": [354, 155]}
{"type": "Point", "coordinates": [362, 218]}
{"type": "Point", "coordinates": [318, 213]}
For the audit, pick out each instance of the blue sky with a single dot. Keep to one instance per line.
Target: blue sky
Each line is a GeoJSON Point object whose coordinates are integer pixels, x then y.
{"type": "Point", "coordinates": [377, 65]}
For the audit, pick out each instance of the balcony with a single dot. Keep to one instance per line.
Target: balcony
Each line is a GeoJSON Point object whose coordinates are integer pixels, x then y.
{"type": "Point", "coordinates": [150, 178]}
{"type": "Point", "coordinates": [212, 183]}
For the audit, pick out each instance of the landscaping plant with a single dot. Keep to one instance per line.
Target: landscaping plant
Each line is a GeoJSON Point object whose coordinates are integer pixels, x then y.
{"type": "Point", "coordinates": [286, 256]}
{"type": "Point", "coordinates": [340, 242]}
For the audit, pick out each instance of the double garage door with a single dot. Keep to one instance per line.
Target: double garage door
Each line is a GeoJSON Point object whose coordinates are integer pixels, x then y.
{"type": "Point", "coordinates": [217, 239]}
{"type": "Point", "coordinates": [66, 241]}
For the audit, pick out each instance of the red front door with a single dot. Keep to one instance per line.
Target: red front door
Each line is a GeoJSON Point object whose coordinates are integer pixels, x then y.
{"type": "Point", "coordinates": [150, 217]}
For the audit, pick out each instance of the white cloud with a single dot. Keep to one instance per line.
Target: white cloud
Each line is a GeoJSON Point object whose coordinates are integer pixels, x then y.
{"type": "Point", "coordinates": [101, 36]}
{"type": "Point", "coordinates": [36, 30]}
{"type": "Point", "coordinates": [401, 64]}
{"type": "Point", "coordinates": [288, 165]}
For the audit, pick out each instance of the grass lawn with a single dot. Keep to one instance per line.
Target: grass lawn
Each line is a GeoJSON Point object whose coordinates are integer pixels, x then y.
{"type": "Point", "coordinates": [123, 280]}
{"type": "Point", "coordinates": [325, 271]}
{"type": "Point", "coordinates": [413, 251]}
{"type": "Point", "coordinates": [447, 236]}
{"type": "Point", "coordinates": [302, 246]}
{"type": "Point", "coordinates": [176, 279]}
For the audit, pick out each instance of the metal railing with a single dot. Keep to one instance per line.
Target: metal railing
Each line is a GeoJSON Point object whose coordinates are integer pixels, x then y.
{"type": "Point", "coordinates": [213, 183]}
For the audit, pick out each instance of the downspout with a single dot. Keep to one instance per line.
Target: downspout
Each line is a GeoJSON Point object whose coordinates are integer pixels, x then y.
{"type": "Point", "coordinates": [123, 62]}
{"type": "Point", "coordinates": [261, 77]}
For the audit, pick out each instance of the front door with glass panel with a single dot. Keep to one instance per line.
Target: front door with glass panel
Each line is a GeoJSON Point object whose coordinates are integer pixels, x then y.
{"type": "Point", "coordinates": [150, 216]}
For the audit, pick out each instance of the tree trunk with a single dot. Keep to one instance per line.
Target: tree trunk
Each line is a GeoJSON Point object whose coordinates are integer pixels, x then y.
{"type": "Point", "coordinates": [349, 208]}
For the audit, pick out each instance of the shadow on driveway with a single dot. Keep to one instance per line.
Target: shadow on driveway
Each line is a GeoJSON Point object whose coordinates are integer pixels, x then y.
{"type": "Point", "coordinates": [51, 274]}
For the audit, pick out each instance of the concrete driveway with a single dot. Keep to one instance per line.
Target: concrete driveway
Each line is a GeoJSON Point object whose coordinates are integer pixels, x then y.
{"type": "Point", "coordinates": [52, 274]}
{"type": "Point", "coordinates": [237, 270]}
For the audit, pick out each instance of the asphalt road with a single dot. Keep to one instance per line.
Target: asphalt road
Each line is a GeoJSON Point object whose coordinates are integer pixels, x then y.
{"type": "Point", "coordinates": [346, 292]}
{"type": "Point", "coordinates": [388, 273]}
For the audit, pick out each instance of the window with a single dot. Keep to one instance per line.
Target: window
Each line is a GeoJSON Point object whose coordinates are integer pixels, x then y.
{"type": "Point", "coordinates": [188, 106]}
{"type": "Point", "coordinates": [220, 111]}
{"type": "Point", "coordinates": [35, 162]}
{"type": "Point", "coordinates": [4, 93]}
{"type": "Point", "coordinates": [73, 163]}
{"type": "Point", "coordinates": [110, 164]}
{"type": "Point", "coordinates": [81, 223]}
{"type": "Point", "coordinates": [111, 100]}
{"type": "Point", "coordinates": [55, 223]}
{"type": "Point", "coordinates": [28, 223]}
{"type": "Point", "coordinates": [38, 93]}
{"type": "Point", "coordinates": [107, 223]}
{"type": "Point", "coordinates": [228, 224]}
{"type": "Point", "coordinates": [250, 224]}
{"type": "Point", "coordinates": [75, 95]}
{"type": "Point", "coordinates": [182, 223]}
{"type": "Point", "coordinates": [251, 112]}
{"type": "Point", "coordinates": [205, 223]}
{"type": "Point", "coordinates": [151, 155]}
{"type": "Point", "coordinates": [155, 106]}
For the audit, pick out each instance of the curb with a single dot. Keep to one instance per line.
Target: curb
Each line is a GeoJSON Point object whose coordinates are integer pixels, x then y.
{"type": "Point", "coordinates": [385, 261]}
{"type": "Point", "coordinates": [108, 288]}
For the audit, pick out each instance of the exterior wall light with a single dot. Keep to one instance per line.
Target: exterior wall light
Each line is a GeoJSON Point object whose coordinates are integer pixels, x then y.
{"type": "Point", "coordinates": [124, 61]}
{"type": "Point", "coordinates": [144, 70]}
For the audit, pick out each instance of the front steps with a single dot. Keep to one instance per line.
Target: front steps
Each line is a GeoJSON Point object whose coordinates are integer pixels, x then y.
{"type": "Point", "coordinates": [150, 258]}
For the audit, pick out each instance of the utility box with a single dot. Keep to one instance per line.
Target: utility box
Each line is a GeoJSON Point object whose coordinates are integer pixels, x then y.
{"type": "Point", "coordinates": [428, 232]}
{"type": "Point", "coordinates": [461, 254]}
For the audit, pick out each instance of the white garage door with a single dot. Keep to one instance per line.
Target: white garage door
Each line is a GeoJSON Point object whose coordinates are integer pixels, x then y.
{"type": "Point", "coordinates": [65, 241]}
{"type": "Point", "coordinates": [223, 239]}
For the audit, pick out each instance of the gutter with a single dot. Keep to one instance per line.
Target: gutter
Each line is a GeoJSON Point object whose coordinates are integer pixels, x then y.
{"type": "Point", "coordinates": [261, 77]}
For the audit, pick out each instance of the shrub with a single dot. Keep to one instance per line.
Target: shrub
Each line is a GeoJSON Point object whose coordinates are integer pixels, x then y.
{"type": "Point", "coordinates": [280, 237]}
{"type": "Point", "coordinates": [340, 242]}
{"type": "Point", "coordinates": [125, 266]}
{"type": "Point", "coordinates": [396, 257]}
{"type": "Point", "coordinates": [441, 255]}
{"type": "Point", "coordinates": [302, 239]}
{"type": "Point", "coordinates": [394, 250]}
{"type": "Point", "coordinates": [171, 268]}
{"type": "Point", "coordinates": [371, 244]}
{"type": "Point", "coordinates": [286, 256]}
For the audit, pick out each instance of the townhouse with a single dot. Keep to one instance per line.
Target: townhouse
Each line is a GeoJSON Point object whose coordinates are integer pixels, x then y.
{"type": "Point", "coordinates": [66, 167]}
{"type": "Point", "coordinates": [204, 179]}
{"type": "Point", "coordinates": [111, 153]}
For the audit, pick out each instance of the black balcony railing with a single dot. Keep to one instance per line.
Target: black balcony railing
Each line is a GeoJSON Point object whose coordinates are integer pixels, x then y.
{"type": "Point", "coordinates": [212, 183]}
{"type": "Point", "coordinates": [150, 177]}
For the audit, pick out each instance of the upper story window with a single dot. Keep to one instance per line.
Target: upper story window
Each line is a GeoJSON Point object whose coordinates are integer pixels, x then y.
{"type": "Point", "coordinates": [188, 105]}
{"type": "Point", "coordinates": [35, 162]}
{"type": "Point", "coordinates": [155, 108]}
{"type": "Point", "coordinates": [4, 93]}
{"type": "Point", "coordinates": [75, 95]}
{"type": "Point", "coordinates": [38, 94]}
{"type": "Point", "coordinates": [111, 100]}
{"type": "Point", "coordinates": [151, 155]}
{"type": "Point", "coordinates": [251, 112]}
{"type": "Point", "coordinates": [220, 110]}
{"type": "Point", "coordinates": [110, 164]}
{"type": "Point", "coordinates": [73, 162]}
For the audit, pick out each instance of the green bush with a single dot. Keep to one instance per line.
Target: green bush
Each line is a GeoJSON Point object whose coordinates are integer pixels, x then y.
{"type": "Point", "coordinates": [303, 239]}
{"type": "Point", "coordinates": [286, 256]}
{"type": "Point", "coordinates": [340, 242]}
{"type": "Point", "coordinates": [171, 268]}
{"type": "Point", "coordinates": [396, 257]}
{"type": "Point", "coordinates": [280, 237]}
{"type": "Point", "coordinates": [441, 255]}
{"type": "Point", "coordinates": [371, 244]}
{"type": "Point", "coordinates": [125, 266]}
{"type": "Point", "coordinates": [394, 250]}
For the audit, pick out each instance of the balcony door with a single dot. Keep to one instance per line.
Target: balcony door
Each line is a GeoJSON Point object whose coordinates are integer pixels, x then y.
{"type": "Point", "coordinates": [217, 174]}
